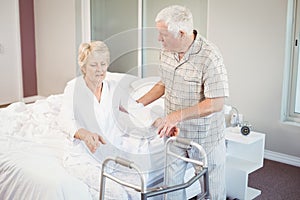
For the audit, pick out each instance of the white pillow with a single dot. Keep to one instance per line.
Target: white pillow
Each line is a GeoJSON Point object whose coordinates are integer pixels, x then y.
{"type": "Point", "coordinates": [116, 76]}
{"type": "Point", "coordinates": [141, 87]}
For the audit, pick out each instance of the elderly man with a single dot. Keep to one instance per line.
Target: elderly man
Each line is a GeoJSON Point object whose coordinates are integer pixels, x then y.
{"type": "Point", "coordinates": [194, 82]}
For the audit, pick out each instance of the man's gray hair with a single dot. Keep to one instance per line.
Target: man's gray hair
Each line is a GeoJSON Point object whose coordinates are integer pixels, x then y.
{"type": "Point", "coordinates": [177, 18]}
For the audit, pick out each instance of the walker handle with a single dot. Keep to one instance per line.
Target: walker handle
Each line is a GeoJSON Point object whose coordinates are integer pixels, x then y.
{"type": "Point", "coordinates": [183, 141]}
{"type": "Point", "coordinates": [124, 162]}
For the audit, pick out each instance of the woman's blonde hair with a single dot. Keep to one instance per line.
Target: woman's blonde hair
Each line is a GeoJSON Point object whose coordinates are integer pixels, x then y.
{"type": "Point", "coordinates": [89, 48]}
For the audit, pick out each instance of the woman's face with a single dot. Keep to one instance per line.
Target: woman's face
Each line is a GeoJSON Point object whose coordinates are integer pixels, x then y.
{"type": "Point", "coordinates": [95, 69]}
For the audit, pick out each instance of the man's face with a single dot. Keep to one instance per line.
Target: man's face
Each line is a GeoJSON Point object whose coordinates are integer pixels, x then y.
{"type": "Point", "coordinates": [96, 68]}
{"type": "Point", "coordinates": [167, 39]}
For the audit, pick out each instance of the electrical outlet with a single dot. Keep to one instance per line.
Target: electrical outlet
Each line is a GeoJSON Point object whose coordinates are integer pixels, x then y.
{"type": "Point", "coordinates": [233, 120]}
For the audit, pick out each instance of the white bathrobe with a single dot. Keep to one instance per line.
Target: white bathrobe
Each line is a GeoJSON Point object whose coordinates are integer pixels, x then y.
{"type": "Point", "coordinates": [127, 135]}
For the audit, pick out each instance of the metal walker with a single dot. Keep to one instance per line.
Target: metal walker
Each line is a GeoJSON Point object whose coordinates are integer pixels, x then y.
{"type": "Point", "coordinates": [201, 172]}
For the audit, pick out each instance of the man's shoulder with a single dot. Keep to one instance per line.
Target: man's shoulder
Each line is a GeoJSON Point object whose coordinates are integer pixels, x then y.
{"type": "Point", "coordinates": [207, 46]}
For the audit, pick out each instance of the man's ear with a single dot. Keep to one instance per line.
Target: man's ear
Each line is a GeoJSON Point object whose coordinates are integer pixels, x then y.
{"type": "Point", "coordinates": [181, 34]}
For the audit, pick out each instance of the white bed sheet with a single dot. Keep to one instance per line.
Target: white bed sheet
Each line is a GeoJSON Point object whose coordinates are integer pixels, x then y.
{"type": "Point", "coordinates": [38, 161]}
{"type": "Point", "coordinates": [35, 157]}
{"type": "Point", "coordinates": [31, 153]}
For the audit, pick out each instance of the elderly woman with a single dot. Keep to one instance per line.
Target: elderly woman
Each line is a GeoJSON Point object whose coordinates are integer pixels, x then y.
{"type": "Point", "coordinates": [87, 98]}
{"type": "Point", "coordinates": [91, 105]}
{"type": "Point", "coordinates": [90, 115]}
{"type": "Point", "coordinates": [87, 113]}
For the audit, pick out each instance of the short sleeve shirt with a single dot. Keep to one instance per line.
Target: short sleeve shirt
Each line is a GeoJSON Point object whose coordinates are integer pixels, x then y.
{"type": "Point", "coordinates": [200, 74]}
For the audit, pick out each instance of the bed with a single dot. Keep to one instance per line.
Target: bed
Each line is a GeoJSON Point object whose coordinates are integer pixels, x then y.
{"type": "Point", "coordinates": [31, 154]}
{"type": "Point", "coordinates": [36, 161]}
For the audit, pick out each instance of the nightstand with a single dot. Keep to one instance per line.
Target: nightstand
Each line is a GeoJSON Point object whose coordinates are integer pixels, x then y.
{"type": "Point", "coordinates": [244, 154]}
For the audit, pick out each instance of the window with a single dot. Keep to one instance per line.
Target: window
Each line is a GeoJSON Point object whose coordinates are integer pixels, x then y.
{"type": "Point", "coordinates": [291, 90]}
{"type": "Point", "coordinates": [130, 34]}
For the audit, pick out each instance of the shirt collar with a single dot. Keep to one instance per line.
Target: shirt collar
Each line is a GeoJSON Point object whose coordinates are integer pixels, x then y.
{"type": "Point", "coordinates": [194, 48]}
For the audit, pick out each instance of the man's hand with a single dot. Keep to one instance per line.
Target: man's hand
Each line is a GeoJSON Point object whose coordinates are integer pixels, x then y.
{"type": "Point", "coordinates": [167, 126]}
{"type": "Point", "coordinates": [92, 140]}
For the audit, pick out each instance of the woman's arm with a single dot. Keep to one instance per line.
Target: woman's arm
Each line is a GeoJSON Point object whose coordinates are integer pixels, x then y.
{"type": "Point", "coordinates": [68, 124]}
{"type": "Point", "coordinates": [92, 140]}
{"type": "Point", "coordinates": [66, 119]}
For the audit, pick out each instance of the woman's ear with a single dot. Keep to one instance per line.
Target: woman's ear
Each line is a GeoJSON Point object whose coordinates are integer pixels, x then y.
{"type": "Point", "coordinates": [83, 70]}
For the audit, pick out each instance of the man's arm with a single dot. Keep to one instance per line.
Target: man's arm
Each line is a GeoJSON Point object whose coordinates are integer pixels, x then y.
{"type": "Point", "coordinates": [202, 109]}
{"type": "Point", "coordinates": [155, 93]}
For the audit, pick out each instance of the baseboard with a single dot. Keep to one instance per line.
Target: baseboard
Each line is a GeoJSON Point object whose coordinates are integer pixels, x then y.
{"type": "Point", "coordinates": [283, 158]}
{"type": "Point", "coordinates": [32, 99]}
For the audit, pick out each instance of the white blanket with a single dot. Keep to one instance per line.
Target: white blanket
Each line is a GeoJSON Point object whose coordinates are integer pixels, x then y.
{"type": "Point", "coordinates": [38, 161]}
{"type": "Point", "coordinates": [31, 152]}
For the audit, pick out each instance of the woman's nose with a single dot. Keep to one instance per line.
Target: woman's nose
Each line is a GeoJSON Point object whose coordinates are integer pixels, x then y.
{"type": "Point", "coordinates": [101, 68]}
{"type": "Point", "coordinates": [98, 68]}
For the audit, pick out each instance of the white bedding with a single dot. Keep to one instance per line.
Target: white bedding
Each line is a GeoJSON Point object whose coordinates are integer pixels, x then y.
{"type": "Point", "coordinates": [38, 161]}
{"type": "Point", "coordinates": [31, 154]}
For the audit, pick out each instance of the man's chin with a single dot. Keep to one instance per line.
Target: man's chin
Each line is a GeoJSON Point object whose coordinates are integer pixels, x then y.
{"type": "Point", "coordinates": [165, 49]}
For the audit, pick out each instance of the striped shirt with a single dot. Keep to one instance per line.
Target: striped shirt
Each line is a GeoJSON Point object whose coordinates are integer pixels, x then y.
{"type": "Point", "coordinates": [200, 74]}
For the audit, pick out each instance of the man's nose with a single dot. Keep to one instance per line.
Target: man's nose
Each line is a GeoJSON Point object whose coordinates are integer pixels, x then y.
{"type": "Point", "coordinates": [159, 38]}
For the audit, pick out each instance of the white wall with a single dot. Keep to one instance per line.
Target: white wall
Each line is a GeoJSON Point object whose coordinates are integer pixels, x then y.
{"type": "Point", "coordinates": [10, 53]}
{"type": "Point", "coordinates": [251, 35]}
{"type": "Point", "coordinates": [56, 47]}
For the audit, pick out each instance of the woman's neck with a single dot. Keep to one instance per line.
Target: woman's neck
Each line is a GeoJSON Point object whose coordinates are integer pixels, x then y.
{"type": "Point", "coordinates": [95, 88]}
{"type": "Point", "coordinates": [98, 92]}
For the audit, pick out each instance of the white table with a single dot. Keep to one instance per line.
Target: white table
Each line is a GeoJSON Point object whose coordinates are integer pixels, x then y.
{"type": "Point", "coordinates": [244, 155]}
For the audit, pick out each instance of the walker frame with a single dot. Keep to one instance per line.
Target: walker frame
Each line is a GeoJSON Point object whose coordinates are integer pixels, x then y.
{"type": "Point", "coordinates": [154, 191]}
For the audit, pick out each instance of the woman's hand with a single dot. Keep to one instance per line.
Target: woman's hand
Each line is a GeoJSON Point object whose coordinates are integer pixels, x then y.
{"type": "Point", "coordinates": [92, 140]}
{"type": "Point", "coordinates": [122, 109]}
